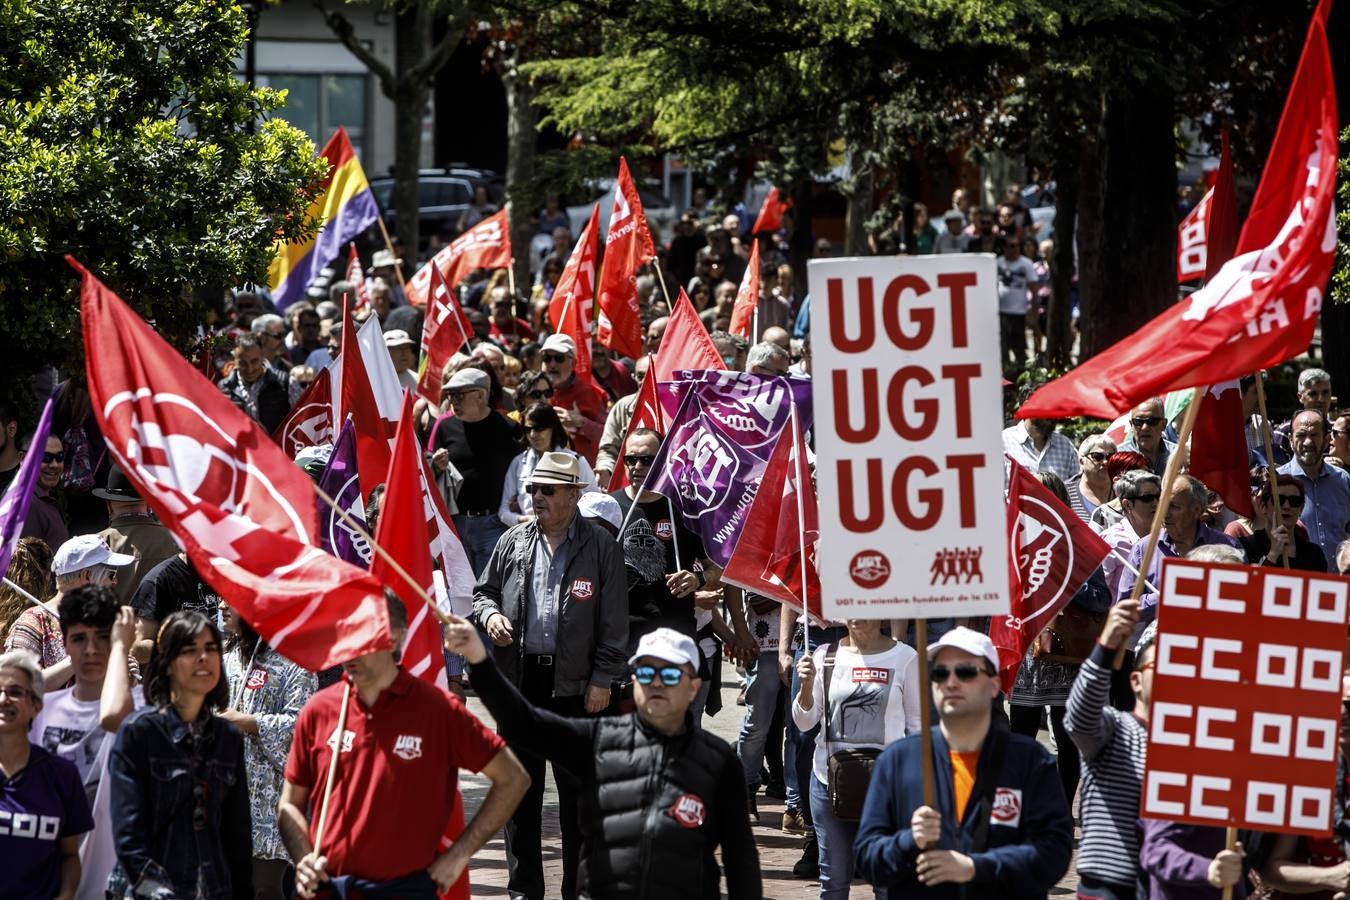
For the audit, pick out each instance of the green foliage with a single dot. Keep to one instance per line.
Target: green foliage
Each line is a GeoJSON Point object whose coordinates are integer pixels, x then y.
{"type": "Point", "coordinates": [125, 142]}
{"type": "Point", "coordinates": [1340, 275]}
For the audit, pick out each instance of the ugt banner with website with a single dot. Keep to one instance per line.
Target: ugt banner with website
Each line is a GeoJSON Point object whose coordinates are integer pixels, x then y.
{"type": "Point", "coordinates": [908, 418]}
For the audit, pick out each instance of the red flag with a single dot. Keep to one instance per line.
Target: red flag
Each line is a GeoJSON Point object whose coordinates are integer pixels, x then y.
{"type": "Point", "coordinates": [1207, 236]}
{"type": "Point", "coordinates": [747, 298]}
{"type": "Point", "coordinates": [1262, 306]}
{"type": "Point", "coordinates": [358, 401]}
{"type": "Point", "coordinates": [486, 245]}
{"type": "Point", "coordinates": [574, 295]}
{"type": "Point", "coordinates": [770, 216]}
{"type": "Point", "coordinates": [767, 558]}
{"type": "Point", "coordinates": [446, 330]}
{"type": "Point", "coordinates": [1219, 447]}
{"type": "Point", "coordinates": [1051, 553]}
{"type": "Point", "coordinates": [357, 276]}
{"type": "Point", "coordinates": [310, 421]}
{"type": "Point", "coordinates": [1193, 240]}
{"type": "Point", "coordinates": [627, 246]}
{"type": "Point", "coordinates": [685, 345]}
{"type": "Point", "coordinates": [647, 413]}
{"type": "Point", "coordinates": [245, 513]}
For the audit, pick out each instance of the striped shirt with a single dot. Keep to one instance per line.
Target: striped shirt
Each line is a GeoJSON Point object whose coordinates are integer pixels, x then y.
{"type": "Point", "coordinates": [1113, 745]}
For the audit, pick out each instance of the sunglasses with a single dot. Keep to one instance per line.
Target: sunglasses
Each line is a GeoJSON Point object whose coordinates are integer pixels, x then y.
{"type": "Point", "coordinates": [1146, 421]}
{"type": "Point", "coordinates": [964, 672]}
{"type": "Point", "coordinates": [1291, 502]}
{"type": "Point", "coordinates": [635, 460]}
{"type": "Point", "coordinates": [670, 675]}
{"type": "Point", "coordinates": [540, 394]}
{"type": "Point", "coordinates": [49, 458]}
{"type": "Point", "coordinates": [553, 358]}
{"type": "Point", "coordinates": [1098, 457]}
{"type": "Point", "coordinates": [1147, 498]}
{"type": "Point", "coordinates": [546, 489]}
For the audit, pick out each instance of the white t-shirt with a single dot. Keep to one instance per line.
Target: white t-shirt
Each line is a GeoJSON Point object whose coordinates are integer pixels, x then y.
{"type": "Point", "coordinates": [874, 700]}
{"type": "Point", "coordinates": [1013, 280]}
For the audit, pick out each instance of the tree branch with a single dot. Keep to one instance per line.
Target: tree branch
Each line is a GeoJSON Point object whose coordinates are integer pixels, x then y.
{"type": "Point", "coordinates": [342, 28]}
{"type": "Point", "coordinates": [424, 71]}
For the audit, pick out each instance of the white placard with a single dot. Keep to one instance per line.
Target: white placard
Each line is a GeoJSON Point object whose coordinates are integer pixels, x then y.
{"type": "Point", "coordinates": [908, 426]}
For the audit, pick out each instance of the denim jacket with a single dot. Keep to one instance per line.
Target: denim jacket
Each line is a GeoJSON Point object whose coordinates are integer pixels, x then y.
{"type": "Point", "coordinates": [157, 783]}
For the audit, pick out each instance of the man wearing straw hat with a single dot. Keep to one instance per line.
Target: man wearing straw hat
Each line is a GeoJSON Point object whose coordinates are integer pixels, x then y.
{"type": "Point", "coordinates": [554, 601]}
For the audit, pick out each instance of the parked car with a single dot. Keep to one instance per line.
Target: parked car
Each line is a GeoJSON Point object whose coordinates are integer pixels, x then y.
{"type": "Point", "coordinates": [660, 211]}
{"type": "Point", "coordinates": [442, 197]}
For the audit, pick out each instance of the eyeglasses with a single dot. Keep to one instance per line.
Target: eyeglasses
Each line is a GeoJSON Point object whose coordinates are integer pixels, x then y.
{"type": "Point", "coordinates": [1146, 421]}
{"type": "Point", "coordinates": [538, 427]}
{"type": "Point", "coordinates": [49, 458]}
{"type": "Point", "coordinates": [1147, 498]}
{"type": "Point", "coordinates": [553, 358]}
{"type": "Point", "coordinates": [15, 692]}
{"type": "Point", "coordinates": [540, 394]}
{"type": "Point", "coordinates": [457, 395]}
{"type": "Point", "coordinates": [545, 489]}
{"type": "Point", "coordinates": [1291, 502]}
{"type": "Point", "coordinates": [1097, 457]}
{"type": "Point", "coordinates": [963, 671]}
{"type": "Point", "coordinates": [633, 459]}
{"type": "Point", "coordinates": [670, 675]}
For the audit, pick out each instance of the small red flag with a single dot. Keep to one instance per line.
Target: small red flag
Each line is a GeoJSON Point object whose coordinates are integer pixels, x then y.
{"type": "Point", "coordinates": [747, 298]}
{"type": "Point", "coordinates": [358, 402]}
{"type": "Point", "coordinates": [570, 309]}
{"type": "Point", "coordinates": [1207, 236]}
{"type": "Point", "coordinates": [310, 421]}
{"type": "Point", "coordinates": [357, 276]}
{"type": "Point", "coordinates": [446, 330]}
{"type": "Point", "coordinates": [647, 413]}
{"type": "Point", "coordinates": [685, 345]}
{"type": "Point", "coordinates": [1051, 553]}
{"type": "Point", "coordinates": [1219, 447]}
{"type": "Point", "coordinates": [770, 216]}
{"type": "Point", "coordinates": [628, 245]}
{"type": "Point", "coordinates": [486, 245]}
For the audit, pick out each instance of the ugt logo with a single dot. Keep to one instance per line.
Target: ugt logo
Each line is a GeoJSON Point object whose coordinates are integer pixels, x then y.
{"type": "Point", "coordinates": [703, 468]}
{"type": "Point", "coordinates": [408, 746]}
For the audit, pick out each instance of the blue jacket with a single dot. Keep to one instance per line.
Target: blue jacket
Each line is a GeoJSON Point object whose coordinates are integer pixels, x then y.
{"type": "Point", "coordinates": [1029, 838]}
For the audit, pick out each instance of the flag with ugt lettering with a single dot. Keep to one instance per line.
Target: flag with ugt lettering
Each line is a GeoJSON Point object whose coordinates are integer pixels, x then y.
{"type": "Point", "coordinates": [245, 512]}
{"type": "Point", "coordinates": [1208, 234]}
{"type": "Point", "coordinates": [570, 310]}
{"type": "Point", "coordinates": [628, 245]}
{"type": "Point", "coordinates": [1262, 306]}
{"type": "Point", "coordinates": [447, 329]}
{"type": "Point", "coordinates": [486, 245]}
{"type": "Point", "coordinates": [1051, 554]}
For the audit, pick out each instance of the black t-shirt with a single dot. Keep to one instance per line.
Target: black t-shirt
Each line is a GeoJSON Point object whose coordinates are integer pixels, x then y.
{"type": "Point", "coordinates": [482, 452]}
{"type": "Point", "coordinates": [7, 476]}
{"type": "Point", "coordinates": [171, 586]}
{"type": "Point", "coordinates": [649, 542]}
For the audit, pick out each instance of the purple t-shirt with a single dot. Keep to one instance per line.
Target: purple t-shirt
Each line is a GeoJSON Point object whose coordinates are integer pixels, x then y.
{"type": "Point", "coordinates": [40, 805]}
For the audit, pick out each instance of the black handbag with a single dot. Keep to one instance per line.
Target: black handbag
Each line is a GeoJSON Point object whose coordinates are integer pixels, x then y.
{"type": "Point", "coordinates": [848, 772]}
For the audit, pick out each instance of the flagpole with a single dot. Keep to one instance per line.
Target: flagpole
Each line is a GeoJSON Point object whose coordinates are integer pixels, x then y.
{"type": "Point", "coordinates": [925, 712]}
{"type": "Point", "coordinates": [661, 279]}
{"type": "Point", "coordinates": [398, 263]}
{"type": "Point", "coordinates": [31, 599]}
{"type": "Point", "coordinates": [674, 534]}
{"type": "Point", "coordinates": [1273, 514]}
{"type": "Point", "coordinates": [754, 324]}
{"type": "Point", "coordinates": [1173, 468]}
{"type": "Point", "coordinates": [393, 564]}
{"type": "Point", "coordinates": [1124, 561]}
{"type": "Point", "coordinates": [799, 452]}
{"type": "Point", "coordinates": [511, 284]}
{"type": "Point", "coordinates": [332, 767]}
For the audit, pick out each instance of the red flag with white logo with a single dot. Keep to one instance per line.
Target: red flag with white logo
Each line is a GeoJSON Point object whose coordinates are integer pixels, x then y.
{"type": "Point", "coordinates": [571, 306]}
{"type": "Point", "coordinates": [627, 246]}
{"type": "Point", "coordinates": [685, 345]}
{"type": "Point", "coordinates": [486, 245]}
{"type": "Point", "coordinates": [647, 413]}
{"type": "Point", "coordinates": [1051, 554]}
{"type": "Point", "coordinates": [770, 216]}
{"type": "Point", "coordinates": [447, 329]}
{"type": "Point", "coordinates": [358, 401]}
{"type": "Point", "coordinates": [357, 276]}
{"type": "Point", "coordinates": [1262, 306]}
{"type": "Point", "coordinates": [310, 421]}
{"type": "Point", "coordinates": [1219, 447]}
{"type": "Point", "coordinates": [747, 298]}
{"type": "Point", "coordinates": [1207, 236]}
{"type": "Point", "coordinates": [245, 513]}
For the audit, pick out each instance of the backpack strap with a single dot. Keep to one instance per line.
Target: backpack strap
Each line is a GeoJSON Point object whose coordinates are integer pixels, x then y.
{"type": "Point", "coordinates": [997, 745]}
{"type": "Point", "coordinates": [828, 666]}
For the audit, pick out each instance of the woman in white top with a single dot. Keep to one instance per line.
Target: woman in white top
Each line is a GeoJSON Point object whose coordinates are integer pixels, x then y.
{"type": "Point", "coordinates": [874, 697]}
{"type": "Point", "coordinates": [544, 431]}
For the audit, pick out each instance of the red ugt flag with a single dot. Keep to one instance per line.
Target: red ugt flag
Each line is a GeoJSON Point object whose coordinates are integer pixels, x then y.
{"type": "Point", "coordinates": [1262, 306]}
{"type": "Point", "coordinates": [747, 298]}
{"type": "Point", "coordinates": [770, 216]}
{"type": "Point", "coordinates": [685, 345]}
{"type": "Point", "coordinates": [447, 329]}
{"type": "Point", "coordinates": [1051, 553]}
{"type": "Point", "coordinates": [574, 295]}
{"type": "Point", "coordinates": [486, 245]}
{"type": "Point", "coordinates": [627, 246]}
{"type": "Point", "coordinates": [1208, 234]}
{"type": "Point", "coordinates": [245, 513]}
{"type": "Point", "coordinates": [1219, 447]}
{"type": "Point", "coordinates": [310, 421]}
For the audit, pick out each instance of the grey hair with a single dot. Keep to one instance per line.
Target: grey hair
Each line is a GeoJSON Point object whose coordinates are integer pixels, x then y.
{"type": "Point", "coordinates": [1196, 488]}
{"type": "Point", "coordinates": [1343, 556]}
{"type": "Point", "coordinates": [645, 283]}
{"type": "Point", "coordinates": [1146, 642]}
{"type": "Point", "coordinates": [1128, 484]}
{"type": "Point", "coordinates": [1309, 377]}
{"type": "Point", "coordinates": [27, 663]}
{"type": "Point", "coordinates": [1217, 553]}
{"type": "Point", "coordinates": [1093, 441]}
{"type": "Point", "coordinates": [265, 321]}
{"type": "Point", "coordinates": [763, 352]}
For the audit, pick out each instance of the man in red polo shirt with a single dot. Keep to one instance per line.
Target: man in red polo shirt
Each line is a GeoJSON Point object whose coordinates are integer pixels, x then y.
{"type": "Point", "coordinates": [397, 781]}
{"type": "Point", "coordinates": [580, 403]}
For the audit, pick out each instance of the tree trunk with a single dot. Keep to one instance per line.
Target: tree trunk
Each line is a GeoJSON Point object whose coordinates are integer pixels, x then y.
{"type": "Point", "coordinates": [801, 243]}
{"type": "Point", "coordinates": [520, 152]}
{"type": "Point", "coordinates": [1135, 242]}
{"type": "Point", "coordinates": [413, 42]}
{"type": "Point", "coordinates": [1089, 233]}
{"type": "Point", "coordinates": [1059, 316]}
{"type": "Point", "coordinates": [856, 215]}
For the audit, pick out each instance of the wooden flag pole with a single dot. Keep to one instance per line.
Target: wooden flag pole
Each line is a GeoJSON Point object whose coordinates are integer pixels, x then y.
{"type": "Point", "coordinates": [798, 457]}
{"type": "Point", "coordinates": [661, 280]}
{"type": "Point", "coordinates": [925, 711]}
{"type": "Point", "coordinates": [674, 534]}
{"type": "Point", "coordinates": [1164, 498]}
{"type": "Point", "coordinates": [398, 263]}
{"type": "Point", "coordinates": [1273, 515]}
{"type": "Point", "coordinates": [511, 284]}
{"type": "Point", "coordinates": [1230, 843]}
{"type": "Point", "coordinates": [332, 767]}
{"type": "Point", "coordinates": [393, 564]}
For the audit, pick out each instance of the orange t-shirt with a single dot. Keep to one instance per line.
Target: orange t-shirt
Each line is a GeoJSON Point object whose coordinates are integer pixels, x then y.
{"type": "Point", "coordinates": [963, 778]}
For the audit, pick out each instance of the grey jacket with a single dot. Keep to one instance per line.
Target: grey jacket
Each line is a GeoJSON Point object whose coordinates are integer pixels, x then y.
{"type": "Point", "coordinates": [592, 631]}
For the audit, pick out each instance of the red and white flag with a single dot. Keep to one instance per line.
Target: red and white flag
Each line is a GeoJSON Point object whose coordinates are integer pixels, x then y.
{"type": "Point", "coordinates": [647, 413]}
{"type": "Point", "coordinates": [245, 513]}
{"type": "Point", "coordinates": [1219, 447]}
{"type": "Point", "coordinates": [570, 310]}
{"type": "Point", "coordinates": [486, 245]}
{"type": "Point", "coordinates": [747, 298]}
{"type": "Point", "coordinates": [310, 421]}
{"type": "Point", "coordinates": [628, 245]}
{"type": "Point", "coordinates": [1262, 306]}
{"type": "Point", "coordinates": [770, 216]}
{"type": "Point", "coordinates": [1051, 554]}
{"type": "Point", "coordinates": [358, 401]}
{"type": "Point", "coordinates": [685, 345]}
{"type": "Point", "coordinates": [1207, 236]}
{"type": "Point", "coordinates": [447, 329]}
{"type": "Point", "coordinates": [357, 276]}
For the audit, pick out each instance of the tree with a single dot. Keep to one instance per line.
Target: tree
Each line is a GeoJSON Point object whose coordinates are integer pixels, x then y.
{"type": "Point", "coordinates": [408, 84]}
{"type": "Point", "coordinates": [124, 141]}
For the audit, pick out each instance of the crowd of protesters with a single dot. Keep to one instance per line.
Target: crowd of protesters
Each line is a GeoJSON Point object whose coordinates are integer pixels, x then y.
{"type": "Point", "coordinates": [153, 745]}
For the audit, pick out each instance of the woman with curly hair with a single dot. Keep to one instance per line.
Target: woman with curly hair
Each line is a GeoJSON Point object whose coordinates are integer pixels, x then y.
{"type": "Point", "coordinates": [31, 569]}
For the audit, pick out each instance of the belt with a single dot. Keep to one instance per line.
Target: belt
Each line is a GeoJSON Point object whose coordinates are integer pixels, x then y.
{"type": "Point", "coordinates": [539, 659]}
{"type": "Point", "coordinates": [476, 513]}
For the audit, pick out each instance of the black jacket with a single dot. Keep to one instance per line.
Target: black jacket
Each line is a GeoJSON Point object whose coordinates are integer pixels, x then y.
{"type": "Point", "coordinates": [652, 807]}
{"type": "Point", "coordinates": [274, 400]}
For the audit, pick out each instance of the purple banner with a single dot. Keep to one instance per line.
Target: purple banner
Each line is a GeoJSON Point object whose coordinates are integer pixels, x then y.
{"type": "Point", "coordinates": [14, 503]}
{"type": "Point", "coordinates": [340, 481]}
{"type": "Point", "coordinates": [751, 409]}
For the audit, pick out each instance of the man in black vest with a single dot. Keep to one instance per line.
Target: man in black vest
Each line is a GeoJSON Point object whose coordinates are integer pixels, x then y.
{"type": "Point", "coordinates": [657, 796]}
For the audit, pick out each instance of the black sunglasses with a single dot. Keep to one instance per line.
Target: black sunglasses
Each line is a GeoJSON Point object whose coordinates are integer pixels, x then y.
{"type": "Point", "coordinates": [1098, 457]}
{"type": "Point", "coordinates": [1147, 498]}
{"type": "Point", "coordinates": [48, 458]}
{"type": "Point", "coordinates": [540, 394]}
{"type": "Point", "coordinates": [553, 358]}
{"type": "Point", "coordinates": [1145, 421]}
{"type": "Point", "coordinates": [633, 459]}
{"type": "Point", "coordinates": [1291, 502]}
{"type": "Point", "coordinates": [670, 675]}
{"type": "Point", "coordinates": [964, 672]}
{"type": "Point", "coordinates": [545, 489]}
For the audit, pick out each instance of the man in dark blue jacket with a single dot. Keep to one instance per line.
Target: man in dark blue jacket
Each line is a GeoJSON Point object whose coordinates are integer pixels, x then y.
{"type": "Point", "coordinates": [1000, 827]}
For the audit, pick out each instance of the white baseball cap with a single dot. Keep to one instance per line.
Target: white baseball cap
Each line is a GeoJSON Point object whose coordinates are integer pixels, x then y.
{"type": "Point", "coordinates": [972, 642]}
{"type": "Point", "coordinates": [668, 645]}
{"type": "Point", "coordinates": [560, 344]}
{"type": "Point", "coordinates": [598, 505]}
{"type": "Point", "coordinates": [86, 550]}
{"type": "Point", "coordinates": [397, 337]}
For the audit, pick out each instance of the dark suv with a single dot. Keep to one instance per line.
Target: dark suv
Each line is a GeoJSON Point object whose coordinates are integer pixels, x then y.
{"type": "Point", "coordinates": [442, 197]}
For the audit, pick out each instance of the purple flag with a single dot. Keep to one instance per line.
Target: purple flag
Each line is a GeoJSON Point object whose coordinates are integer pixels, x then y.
{"type": "Point", "coordinates": [14, 503]}
{"type": "Point", "coordinates": [341, 482]}
{"type": "Point", "coordinates": [752, 409]}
